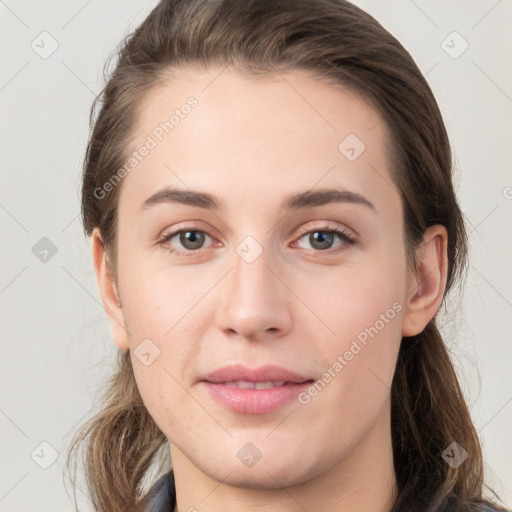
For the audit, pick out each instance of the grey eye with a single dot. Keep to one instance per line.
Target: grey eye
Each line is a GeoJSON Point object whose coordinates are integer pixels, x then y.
{"type": "Point", "coordinates": [322, 239]}
{"type": "Point", "coordinates": [191, 239]}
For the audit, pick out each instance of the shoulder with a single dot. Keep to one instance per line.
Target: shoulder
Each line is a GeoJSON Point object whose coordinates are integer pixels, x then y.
{"type": "Point", "coordinates": [481, 506]}
{"type": "Point", "coordinates": [162, 495]}
{"type": "Point", "coordinates": [486, 506]}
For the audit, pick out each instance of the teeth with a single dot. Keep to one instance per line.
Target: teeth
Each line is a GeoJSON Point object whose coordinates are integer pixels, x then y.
{"type": "Point", "coordinates": [243, 384]}
{"type": "Point", "coordinates": [264, 385]}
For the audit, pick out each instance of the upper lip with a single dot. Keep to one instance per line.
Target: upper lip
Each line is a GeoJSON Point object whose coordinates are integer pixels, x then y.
{"type": "Point", "coordinates": [239, 372]}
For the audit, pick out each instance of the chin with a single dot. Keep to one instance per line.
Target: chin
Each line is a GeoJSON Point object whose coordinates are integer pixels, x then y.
{"type": "Point", "coordinates": [263, 478]}
{"type": "Point", "coordinates": [271, 471]}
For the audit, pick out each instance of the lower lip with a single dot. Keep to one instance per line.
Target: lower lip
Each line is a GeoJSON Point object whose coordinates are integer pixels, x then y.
{"type": "Point", "coordinates": [255, 401]}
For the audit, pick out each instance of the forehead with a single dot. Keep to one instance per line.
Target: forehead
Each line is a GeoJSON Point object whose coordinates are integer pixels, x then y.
{"type": "Point", "coordinates": [230, 132]}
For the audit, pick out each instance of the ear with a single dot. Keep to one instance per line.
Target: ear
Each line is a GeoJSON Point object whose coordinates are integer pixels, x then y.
{"type": "Point", "coordinates": [108, 291]}
{"type": "Point", "coordinates": [428, 282]}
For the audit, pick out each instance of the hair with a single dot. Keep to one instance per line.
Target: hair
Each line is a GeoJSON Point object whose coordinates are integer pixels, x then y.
{"type": "Point", "coordinates": [336, 41]}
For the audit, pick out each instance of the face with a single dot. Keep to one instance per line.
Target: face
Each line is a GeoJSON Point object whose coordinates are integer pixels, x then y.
{"type": "Point", "coordinates": [290, 273]}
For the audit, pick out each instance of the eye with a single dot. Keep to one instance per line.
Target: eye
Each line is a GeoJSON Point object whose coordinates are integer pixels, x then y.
{"type": "Point", "coordinates": [190, 239]}
{"type": "Point", "coordinates": [322, 239]}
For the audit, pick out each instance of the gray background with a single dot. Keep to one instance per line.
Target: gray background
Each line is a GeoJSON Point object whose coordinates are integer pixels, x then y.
{"type": "Point", "coordinates": [56, 348]}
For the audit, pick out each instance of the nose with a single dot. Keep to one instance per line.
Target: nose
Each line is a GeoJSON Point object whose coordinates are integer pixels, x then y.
{"type": "Point", "coordinates": [255, 302]}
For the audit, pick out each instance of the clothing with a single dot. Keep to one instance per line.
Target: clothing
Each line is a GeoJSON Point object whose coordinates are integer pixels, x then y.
{"type": "Point", "coordinates": [162, 496]}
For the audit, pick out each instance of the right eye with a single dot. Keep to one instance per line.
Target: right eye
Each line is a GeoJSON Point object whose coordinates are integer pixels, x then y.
{"type": "Point", "coordinates": [191, 240]}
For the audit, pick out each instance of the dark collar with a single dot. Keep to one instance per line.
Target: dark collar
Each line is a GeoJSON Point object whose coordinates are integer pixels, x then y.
{"type": "Point", "coordinates": [162, 496]}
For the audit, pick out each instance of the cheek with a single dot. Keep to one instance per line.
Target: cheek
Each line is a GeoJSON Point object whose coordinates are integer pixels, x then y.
{"type": "Point", "coordinates": [358, 365]}
{"type": "Point", "coordinates": [352, 299]}
{"type": "Point", "coordinates": [368, 335]}
{"type": "Point", "coordinates": [158, 314]}
{"type": "Point", "coordinates": [362, 308]}
{"type": "Point", "coordinates": [163, 385]}
{"type": "Point", "coordinates": [158, 299]}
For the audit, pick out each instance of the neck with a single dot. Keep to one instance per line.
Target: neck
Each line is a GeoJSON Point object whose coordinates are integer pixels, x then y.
{"type": "Point", "coordinates": [362, 481]}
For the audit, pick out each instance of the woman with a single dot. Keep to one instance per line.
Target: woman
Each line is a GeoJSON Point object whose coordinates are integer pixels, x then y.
{"type": "Point", "coordinates": [274, 226]}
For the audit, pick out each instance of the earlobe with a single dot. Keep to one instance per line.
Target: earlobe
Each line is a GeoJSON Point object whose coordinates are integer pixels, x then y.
{"type": "Point", "coordinates": [428, 282]}
{"type": "Point", "coordinates": [108, 291]}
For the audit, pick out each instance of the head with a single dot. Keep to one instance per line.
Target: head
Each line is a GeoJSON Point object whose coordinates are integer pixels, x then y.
{"type": "Point", "coordinates": [274, 108]}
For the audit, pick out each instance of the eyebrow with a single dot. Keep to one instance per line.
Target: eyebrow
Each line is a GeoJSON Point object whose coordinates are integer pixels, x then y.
{"type": "Point", "coordinates": [296, 201]}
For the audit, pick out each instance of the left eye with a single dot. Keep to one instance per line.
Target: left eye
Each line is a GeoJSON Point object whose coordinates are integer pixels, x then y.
{"type": "Point", "coordinates": [323, 239]}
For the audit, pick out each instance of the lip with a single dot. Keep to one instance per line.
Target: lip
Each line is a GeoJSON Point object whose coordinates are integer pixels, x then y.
{"type": "Point", "coordinates": [264, 373]}
{"type": "Point", "coordinates": [254, 401]}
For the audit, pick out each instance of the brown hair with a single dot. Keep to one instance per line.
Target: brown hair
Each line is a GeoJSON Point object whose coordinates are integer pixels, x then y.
{"type": "Point", "coordinates": [336, 41]}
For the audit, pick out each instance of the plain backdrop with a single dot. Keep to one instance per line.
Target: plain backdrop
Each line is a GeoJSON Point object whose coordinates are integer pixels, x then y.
{"type": "Point", "coordinates": [56, 349]}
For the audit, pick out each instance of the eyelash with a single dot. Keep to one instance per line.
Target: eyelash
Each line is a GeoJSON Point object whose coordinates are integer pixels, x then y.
{"type": "Point", "coordinates": [342, 234]}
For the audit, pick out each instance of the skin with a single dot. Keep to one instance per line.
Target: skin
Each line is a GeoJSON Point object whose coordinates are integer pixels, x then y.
{"type": "Point", "coordinates": [251, 142]}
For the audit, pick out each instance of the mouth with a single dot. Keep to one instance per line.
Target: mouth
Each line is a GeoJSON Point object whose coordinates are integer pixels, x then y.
{"type": "Point", "coordinates": [254, 391]}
